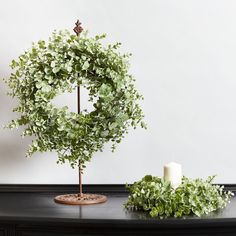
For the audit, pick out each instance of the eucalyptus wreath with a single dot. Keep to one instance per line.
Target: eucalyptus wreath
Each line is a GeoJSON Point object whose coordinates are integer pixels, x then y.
{"type": "Point", "coordinates": [194, 196]}
{"type": "Point", "coordinates": [59, 65]}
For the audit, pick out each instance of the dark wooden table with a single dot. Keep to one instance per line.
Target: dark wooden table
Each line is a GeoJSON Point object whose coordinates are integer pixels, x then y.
{"type": "Point", "coordinates": [27, 213]}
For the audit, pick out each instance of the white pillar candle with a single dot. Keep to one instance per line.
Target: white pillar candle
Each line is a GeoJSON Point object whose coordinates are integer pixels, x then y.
{"type": "Point", "coordinates": [173, 173]}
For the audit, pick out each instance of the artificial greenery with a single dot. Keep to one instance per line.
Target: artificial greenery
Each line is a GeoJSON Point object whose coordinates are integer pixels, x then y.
{"type": "Point", "coordinates": [156, 196]}
{"type": "Point", "coordinates": [60, 65]}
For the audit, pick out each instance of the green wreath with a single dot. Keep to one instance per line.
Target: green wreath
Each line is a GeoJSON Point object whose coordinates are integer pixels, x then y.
{"type": "Point", "coordinates": [62, 64]}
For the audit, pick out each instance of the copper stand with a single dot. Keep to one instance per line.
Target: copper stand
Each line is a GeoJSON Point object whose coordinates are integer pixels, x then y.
{"type": "Point", "coordinates": [75, 199]}
{"type": "Point", "coordinates": [80, 198]}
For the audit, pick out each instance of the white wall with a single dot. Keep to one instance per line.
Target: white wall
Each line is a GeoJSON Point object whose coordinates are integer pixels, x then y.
{"type": "Point", "coordinates": [184, 60]}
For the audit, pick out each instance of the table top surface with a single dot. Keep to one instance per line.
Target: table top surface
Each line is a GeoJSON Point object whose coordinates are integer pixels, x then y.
{"type": "Point", "coordinates": [41, 207]}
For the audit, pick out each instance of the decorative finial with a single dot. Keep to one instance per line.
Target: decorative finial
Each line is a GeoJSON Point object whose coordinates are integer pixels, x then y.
{"type": "Point", "coordinates": [78, 29]}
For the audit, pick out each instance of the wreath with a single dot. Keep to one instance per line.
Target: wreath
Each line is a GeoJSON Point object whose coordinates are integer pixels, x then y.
{"type": "Point", "coordinates": [60, 65]}
{"type": "Point", "coordinates": [156, 196]}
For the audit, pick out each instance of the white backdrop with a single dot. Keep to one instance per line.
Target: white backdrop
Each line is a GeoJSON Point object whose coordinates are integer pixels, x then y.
{"type": "Point", "coordinates": [184, 60]}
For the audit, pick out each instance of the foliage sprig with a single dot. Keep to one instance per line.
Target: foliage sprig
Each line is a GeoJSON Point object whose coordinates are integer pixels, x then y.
{"type": "Point", "coordinates": [156, 196]}
{"type": "Point", "coordinates": [60, 65]}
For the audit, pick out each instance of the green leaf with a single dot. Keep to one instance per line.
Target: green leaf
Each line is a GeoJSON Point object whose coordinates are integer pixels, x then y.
{"type": "Point", "coordinates": [85, 65]}
{"type": "Point", "coordinates": [55, 69]}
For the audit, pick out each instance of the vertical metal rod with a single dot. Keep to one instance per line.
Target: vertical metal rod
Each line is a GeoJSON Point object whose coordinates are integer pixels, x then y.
{"type": "Point", "coordinates": [79, 165]}
{"type": "Point", "coordinates": [78, 29]}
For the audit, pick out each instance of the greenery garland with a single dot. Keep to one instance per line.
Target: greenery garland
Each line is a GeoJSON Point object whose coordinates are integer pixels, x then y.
{"type": "Point", "coordinates": [62, 64]}
{"type": "Point", "coordinates": [156, 196]}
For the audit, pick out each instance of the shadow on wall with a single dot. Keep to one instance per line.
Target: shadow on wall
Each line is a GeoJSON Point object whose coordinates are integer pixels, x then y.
{"type": "Point", "coordinates": [12, 146]}
{"type": "Point", "coordinates": [11, 151]}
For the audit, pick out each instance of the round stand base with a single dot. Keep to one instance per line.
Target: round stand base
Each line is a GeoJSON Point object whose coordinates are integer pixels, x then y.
{"type": "Point", "coordinates": [76, 199]}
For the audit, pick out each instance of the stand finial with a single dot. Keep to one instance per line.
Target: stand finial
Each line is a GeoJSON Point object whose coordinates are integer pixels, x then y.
{"type": "Point", "coordinates": [78, 28]}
